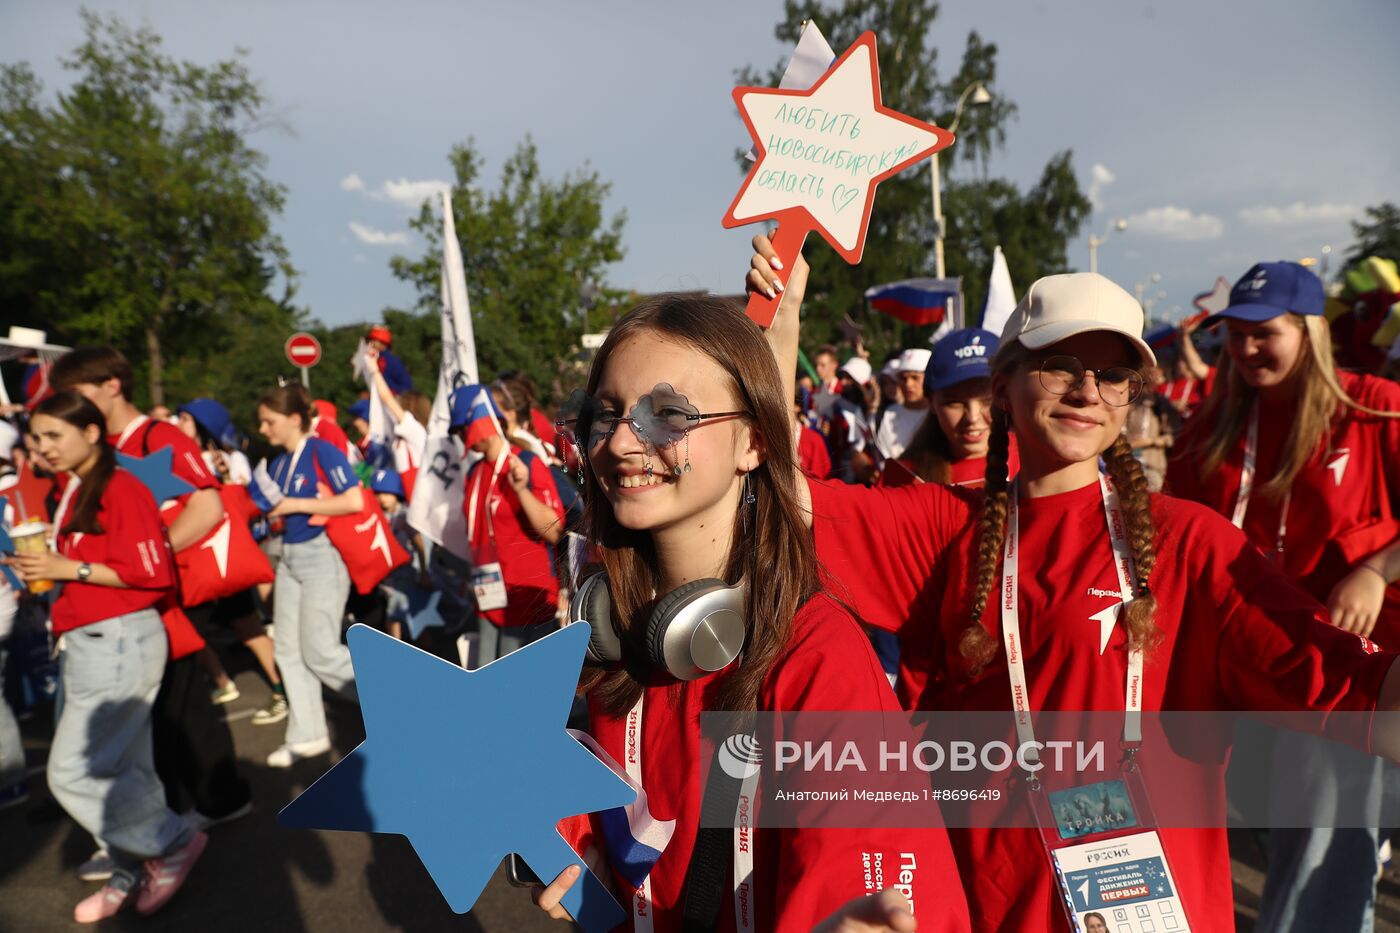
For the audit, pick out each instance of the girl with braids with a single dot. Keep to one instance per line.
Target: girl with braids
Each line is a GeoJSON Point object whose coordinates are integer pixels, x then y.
{"type": "Point", "coordinates": [1303, 458]}
{"type": "Point", "coordinates": [691, 479]}
{"type": "Point", "coordinates": [1197, 613]}
{"type": "Point", "coordinates": [116, 565]}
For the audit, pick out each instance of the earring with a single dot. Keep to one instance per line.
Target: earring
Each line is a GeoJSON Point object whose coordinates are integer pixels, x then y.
{"type": "Point", "coordinates": [749, 500]}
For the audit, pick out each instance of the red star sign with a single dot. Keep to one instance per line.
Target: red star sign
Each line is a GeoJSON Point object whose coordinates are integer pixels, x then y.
{"type": "Point", "coordinates": [821, 154]}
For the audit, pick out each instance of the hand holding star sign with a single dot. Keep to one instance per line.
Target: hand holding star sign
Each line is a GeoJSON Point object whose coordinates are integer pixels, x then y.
{"type": "Point", "coordinates": [822, 152]}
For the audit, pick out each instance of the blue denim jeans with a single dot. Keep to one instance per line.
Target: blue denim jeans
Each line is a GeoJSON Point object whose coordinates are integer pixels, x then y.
{"type": "Point", "coordinates": [11, 745]}
{"type": "Point", "coordinates": [1321, 876]}
{"type": "Point", "coordinates": [308, 605]}
{"type": "Point", "coordinates": [100, 767]}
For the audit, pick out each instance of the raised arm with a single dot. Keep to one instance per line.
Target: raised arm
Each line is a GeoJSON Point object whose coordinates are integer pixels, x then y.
{"type": "Point", "coordinates": [391, 401]}
{"type": "Point", "coordinates": [1194, 364]}
{"type": "Point", "coordinates": [766, 276]}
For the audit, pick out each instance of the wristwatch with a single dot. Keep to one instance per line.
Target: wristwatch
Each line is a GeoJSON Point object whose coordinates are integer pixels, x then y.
{"type": "Point", "coordinates": [84, 571]}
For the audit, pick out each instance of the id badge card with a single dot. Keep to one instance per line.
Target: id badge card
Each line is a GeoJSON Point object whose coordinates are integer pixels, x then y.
{"type": "Point", "coordinates": [1110, 867]}
{"type": "Point", "coordinates": [488, 584]}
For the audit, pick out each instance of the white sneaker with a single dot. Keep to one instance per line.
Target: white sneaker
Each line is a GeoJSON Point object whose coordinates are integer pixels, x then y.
{"type": "Point", "coordinates": [292, 752]}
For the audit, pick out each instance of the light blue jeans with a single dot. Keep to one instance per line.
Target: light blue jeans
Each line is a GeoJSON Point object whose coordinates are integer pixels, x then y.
{"type": "Point", "coordinates": [308, 606]}
{"type": "Point", "coordinates": [100, 767]}
{"type": "Point", "coordinates": [11, 745]}
{"type": "Point", "coordinates": [1322, 876]}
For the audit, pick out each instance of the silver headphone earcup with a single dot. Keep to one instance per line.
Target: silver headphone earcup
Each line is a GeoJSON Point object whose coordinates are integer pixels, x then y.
{"type": "Point", "coordinates": [593, 604]}
{"type": "Point", "coordinates": [697, 629]}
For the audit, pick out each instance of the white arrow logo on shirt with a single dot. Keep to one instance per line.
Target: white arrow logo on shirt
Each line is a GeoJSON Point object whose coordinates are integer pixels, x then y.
{"type": "Point", "coordinates": [1339, 465]}
{"type": "Point", "coordinates": [218, 543]}
{"type": "Point", "coordinates": [1107, 618]}
{"type": "Point", "coordinates": [381, 543]}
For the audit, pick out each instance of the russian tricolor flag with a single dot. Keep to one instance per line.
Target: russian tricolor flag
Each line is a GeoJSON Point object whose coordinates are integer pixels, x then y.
{"type": "Point", "coordinates": [635, 839]}
{"type": "Point", "coordinates": [914, 301]}
{"type": "Point", "coordinates": [474, 412]}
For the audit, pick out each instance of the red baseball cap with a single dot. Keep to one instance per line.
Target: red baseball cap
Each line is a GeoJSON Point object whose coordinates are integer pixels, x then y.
{"type": "Point", "coordinates": [382, 334]}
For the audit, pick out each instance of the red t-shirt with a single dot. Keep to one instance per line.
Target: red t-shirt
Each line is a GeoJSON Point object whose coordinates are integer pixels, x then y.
{"type": "Point", "coordinates": [327, 430]}
{"type": "Point", "coordinates": [1236, 634]}
{"type": "Point", "coordinates": [142, 436]}
{"type": "Point", "coordinates": [812, 455]}
{"type": "Point", "coordinates": [971, 471]}
{"type": "Point", "coordinates": [1345, 503]}
{"type": "Point", "coordinates": [544, 429]}
{"type": "Point", "coordinates": [133, 544]}
{"type": "Point", "coordinates": [1187, 393]}
{"type": "Point", "coordinates": [532, 591]}
{"type": "Point", "coordinates": [800, 876]}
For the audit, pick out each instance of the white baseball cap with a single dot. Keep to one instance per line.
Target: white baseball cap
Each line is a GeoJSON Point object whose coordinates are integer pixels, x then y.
{"type": "Point", "coordinates": [914, 361]}
{"type": "Point", "coordinates": [1058, 307]}
{"type": "Point", "coordinates": [858, 369]}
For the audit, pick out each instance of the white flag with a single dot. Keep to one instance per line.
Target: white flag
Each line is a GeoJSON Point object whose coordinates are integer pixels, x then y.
{"type": "Point", "coordinates": [810, 60]}
{"type": "Point", "coordinates": [1001, 298]}
{"type": "Point", "coordinates": [436, 509]}
{"type": "Point", "coordinates": [381, 428]}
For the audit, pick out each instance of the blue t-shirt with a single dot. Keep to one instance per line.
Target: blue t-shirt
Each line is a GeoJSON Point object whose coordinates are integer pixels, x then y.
{"type": "Point", "coordinates": [299, 480]}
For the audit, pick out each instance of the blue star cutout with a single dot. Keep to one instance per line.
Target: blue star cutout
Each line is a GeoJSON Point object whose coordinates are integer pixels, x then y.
{"type": "Point", "coordinates": [154, 472]}
{"type": "Point", "coordinates": [490, 766]}
{"type": "Point", "coordinates": [423, 611]}
{"type": "Point", "coordinates": [7, 545]}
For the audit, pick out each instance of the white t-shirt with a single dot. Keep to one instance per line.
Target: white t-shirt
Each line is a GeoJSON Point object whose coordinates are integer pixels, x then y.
{"type": "Point", "coordinates": [412, 438]}
{"type": "Point", "coordinates": [898, 427]}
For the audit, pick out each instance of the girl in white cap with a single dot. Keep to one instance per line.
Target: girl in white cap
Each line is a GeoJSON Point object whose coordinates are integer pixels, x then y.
{"type": "Point", "coordinates": [1106, 598]}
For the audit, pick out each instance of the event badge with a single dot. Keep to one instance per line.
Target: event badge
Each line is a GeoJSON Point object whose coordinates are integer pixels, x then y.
{"type": "Point", "coordinates": [1109, 862]}
{"type": "Point", "coordinates": [487, 582]}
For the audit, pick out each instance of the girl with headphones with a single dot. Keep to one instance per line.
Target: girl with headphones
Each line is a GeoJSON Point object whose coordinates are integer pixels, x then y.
{"type": "Point", "coordinates": [1072, 589]}
{"type": "Point", "coordinates": [710, 600]}
{"type": "Point", "coordinates": [1302, 457]}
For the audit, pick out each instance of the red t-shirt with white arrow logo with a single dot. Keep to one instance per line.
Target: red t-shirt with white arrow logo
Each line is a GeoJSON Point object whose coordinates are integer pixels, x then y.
{"type": "Point", "coordinates": [1346, 501]}
{"type": "Point", "coordinates": [1237, 634]}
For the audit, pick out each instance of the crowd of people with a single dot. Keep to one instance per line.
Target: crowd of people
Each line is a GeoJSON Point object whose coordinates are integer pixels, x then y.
{"type": "Point", "coordinates": [855, 527]}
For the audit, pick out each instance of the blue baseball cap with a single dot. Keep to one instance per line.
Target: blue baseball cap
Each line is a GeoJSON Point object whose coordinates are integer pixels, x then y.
{"type": "Point", "coordinates": [464, 399]}
{"type": "Point", "coordinates": [1273, 288]}
{"type": "Point", "coordinates": [962, 355]}
{"type": "Point", "coordinates": [360, 409]}
{"type": "Point", "coordinates": [386, 481]}
{"type": "Point", "coordinates": [213, 418]}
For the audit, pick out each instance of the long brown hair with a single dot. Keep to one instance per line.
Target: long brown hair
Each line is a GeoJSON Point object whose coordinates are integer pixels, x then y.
{"type": "Point", "coordinates": [977, 645]}
{"type": "Point", "coordinates": [776, 529]}
{"type": "Point", "coordinates": [72, 408]}
{"type": "Point", "coordinates": [1320, 399]}
{"type": "Point", "coordinates": [291, 399]}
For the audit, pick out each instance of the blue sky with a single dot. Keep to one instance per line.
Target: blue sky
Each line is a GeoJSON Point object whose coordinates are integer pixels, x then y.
{"type": "Point", "coordinates": [1224, 132]}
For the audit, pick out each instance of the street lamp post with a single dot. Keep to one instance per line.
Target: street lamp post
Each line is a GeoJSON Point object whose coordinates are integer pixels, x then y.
{"type": "Point", "coordinates": [980, 96]}
{"type": "Point", "coordinates": [1096, 241]}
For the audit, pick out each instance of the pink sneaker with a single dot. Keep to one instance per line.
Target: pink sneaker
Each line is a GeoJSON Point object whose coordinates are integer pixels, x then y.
{"type": "Point", "coordinates": [165, 875]}
{"type": "Point", "coordinates": [100, 904]}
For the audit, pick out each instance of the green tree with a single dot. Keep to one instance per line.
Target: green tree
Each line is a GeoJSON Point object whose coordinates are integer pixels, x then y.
{"type": "Point", "coordinates": [1033, 227]}
{"type": "Point", "coordinates": [134, 212]}
{"type": "Point", "coordinates": [1377, 235]}
{"type": "Point", "coordinates": [535, 250]}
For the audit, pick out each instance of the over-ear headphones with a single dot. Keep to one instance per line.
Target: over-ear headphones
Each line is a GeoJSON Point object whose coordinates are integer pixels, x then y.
{"type": "Point", "coordinates": [695, 630]}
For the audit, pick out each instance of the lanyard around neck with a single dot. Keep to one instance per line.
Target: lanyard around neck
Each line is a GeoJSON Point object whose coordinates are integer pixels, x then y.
{"type": "Point", "coordinates": [1011, 623]}
{"type": "Point", "coordinates": [1247, 474]}
{"type": "Point", "coordinates": [130, 429]}
{"type": "Point", "coordinates": [292, 466]}
{"type": "Point", "coordinates": [490, 491]}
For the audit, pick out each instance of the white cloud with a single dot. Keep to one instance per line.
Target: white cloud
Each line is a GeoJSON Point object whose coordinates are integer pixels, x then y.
{"type": "Point", "coordinates": [1099, 178]}
{"type": "Point", "coordinates": [352, 182]}
{"type": "Point", "coordinates": [1299, 214]}
{"type": "Point", "coordinates": [412, 194]}
{"type": "Point", "coordinates": [373, 237]}
{"type": "Point", "coordinates": [1176, 223]}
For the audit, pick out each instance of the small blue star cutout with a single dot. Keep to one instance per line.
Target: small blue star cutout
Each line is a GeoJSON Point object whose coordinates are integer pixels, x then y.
{"type": "Point", "coordinates": [487, 762]}
{"type": "Point", "coordinates": [423, 611]}
{"type": "Point", "coordinates": [154, 472]}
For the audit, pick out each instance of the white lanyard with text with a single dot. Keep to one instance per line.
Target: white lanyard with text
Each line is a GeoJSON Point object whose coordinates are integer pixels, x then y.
{"type": "Point", "coordinates": [60, 514]}
{"type": "Point", "coordinates": [292, 467]}
{"type": "Point", "coordinates": [1251, 456]}
{"type": "Point", "coordinates": [490, 491]}
{"type": "Point", "coordinates": [1011, 623]}
{"type": "Point", "coordinates": [743, 838]}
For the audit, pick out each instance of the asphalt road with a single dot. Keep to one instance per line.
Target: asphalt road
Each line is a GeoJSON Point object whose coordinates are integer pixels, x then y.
{"type": "Point", "coordinates": [258, 877]}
